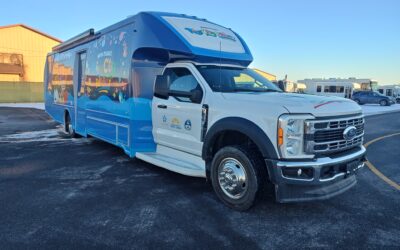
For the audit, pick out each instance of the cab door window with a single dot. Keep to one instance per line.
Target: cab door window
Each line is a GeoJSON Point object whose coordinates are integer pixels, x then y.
{"type": "Point", "coordinates": [181, 80]}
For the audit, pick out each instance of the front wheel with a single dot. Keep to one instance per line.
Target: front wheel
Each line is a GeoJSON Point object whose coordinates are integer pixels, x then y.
{"type": "Point", "coordinates": [238, 176]}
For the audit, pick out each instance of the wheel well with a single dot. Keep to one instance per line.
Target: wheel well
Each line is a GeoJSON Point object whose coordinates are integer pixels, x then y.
{"type": "Point", "coordinates": [235, 130]}
{"type": "Point", "coordinates": [231, 137]}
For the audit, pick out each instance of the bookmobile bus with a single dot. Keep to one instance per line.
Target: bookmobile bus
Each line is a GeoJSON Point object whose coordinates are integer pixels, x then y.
{"type": "Point", "coordinates": [175, 91]}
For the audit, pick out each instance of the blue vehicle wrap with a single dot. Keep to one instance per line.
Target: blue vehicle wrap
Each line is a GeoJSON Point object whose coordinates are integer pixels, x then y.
{"type": "Point", "coordinates": [104, 82]}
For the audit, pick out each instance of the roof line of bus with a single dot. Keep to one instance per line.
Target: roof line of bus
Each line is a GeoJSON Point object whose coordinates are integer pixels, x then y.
{"type": "Point", "coordinates": [66, 45]}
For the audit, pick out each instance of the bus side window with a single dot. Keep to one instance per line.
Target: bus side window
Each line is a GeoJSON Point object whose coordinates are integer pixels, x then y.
{"type": "Point", "coordinates": [319, 88]}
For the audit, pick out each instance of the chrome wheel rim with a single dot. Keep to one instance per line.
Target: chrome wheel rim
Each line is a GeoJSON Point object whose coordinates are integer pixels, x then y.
{"type": "Point", "coordinates": [232, 178]}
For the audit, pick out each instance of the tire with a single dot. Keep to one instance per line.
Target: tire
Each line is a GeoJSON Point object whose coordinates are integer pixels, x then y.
{"type": "Point", "coordinates": [357, 101]}
{"type": "Point", "coordinates": [239, 159]}
{"type": "Point", "coordinates": [383, 103]}
{"type": "Point", "coordinates": [68, 127]}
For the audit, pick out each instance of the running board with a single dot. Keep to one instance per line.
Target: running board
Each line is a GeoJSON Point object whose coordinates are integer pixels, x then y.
{"type": "Point", "coordinates": [183, 163]}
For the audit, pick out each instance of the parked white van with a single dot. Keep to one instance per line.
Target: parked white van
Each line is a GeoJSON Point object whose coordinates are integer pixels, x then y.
{"type": "Point", "coordinates": [391, 91]}
{"type": "Point", "coordinates": [330, 88]}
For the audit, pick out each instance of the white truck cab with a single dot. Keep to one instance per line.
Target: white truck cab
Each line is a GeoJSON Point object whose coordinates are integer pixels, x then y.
{"type": "Point", "coordinates": [229, 124]}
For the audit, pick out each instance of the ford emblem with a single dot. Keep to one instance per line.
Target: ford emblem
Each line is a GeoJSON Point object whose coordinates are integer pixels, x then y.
{"type": "Point", "coordinates": [349, 133]}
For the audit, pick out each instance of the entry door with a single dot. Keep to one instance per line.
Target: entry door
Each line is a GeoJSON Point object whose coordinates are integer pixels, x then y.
{"type": "Point", "coordinates": [80, 103]}
{"type": "Point", "coordinates": [347, 92]}
{"type": "Point", "coordinates": [177, 120]}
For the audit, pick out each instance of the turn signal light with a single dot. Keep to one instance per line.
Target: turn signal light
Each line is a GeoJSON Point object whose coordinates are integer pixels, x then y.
{"type": "Point", "coordinates": [280, 136]}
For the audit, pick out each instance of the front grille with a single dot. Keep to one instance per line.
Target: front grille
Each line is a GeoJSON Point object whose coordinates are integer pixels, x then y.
{"type": "Point", "coordinates": [334, 134]}
{"type": "Point", "coordinates": [326, 136]}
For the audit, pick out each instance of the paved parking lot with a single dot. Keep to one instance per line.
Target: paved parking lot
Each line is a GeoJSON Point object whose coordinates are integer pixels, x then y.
{"type": "Point", "coordinates": [57, 192]}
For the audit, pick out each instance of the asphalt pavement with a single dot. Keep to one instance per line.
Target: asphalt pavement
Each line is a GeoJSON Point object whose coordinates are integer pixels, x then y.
{"type": "Point", "coordinates": [61, 193]}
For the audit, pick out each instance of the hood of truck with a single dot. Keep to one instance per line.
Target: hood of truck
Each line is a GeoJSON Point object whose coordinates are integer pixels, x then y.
{"type": "Point", "coordinates": [318, 106]}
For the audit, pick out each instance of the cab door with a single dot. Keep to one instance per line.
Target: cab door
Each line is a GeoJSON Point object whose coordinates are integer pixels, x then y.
{"type": "Point", "coordinates": [177, 114]}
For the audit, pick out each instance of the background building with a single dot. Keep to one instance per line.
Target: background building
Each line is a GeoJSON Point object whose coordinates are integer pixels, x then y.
{"type": "Point", "coordinates": [292, 87]}
{"type": "Point", "coordinates": [265, 74]}
{"type": "Point", "coordinates": [23, 53]}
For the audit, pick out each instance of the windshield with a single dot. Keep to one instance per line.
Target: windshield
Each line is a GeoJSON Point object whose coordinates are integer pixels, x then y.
{"type": "Point", "coordinates": [230, 79]}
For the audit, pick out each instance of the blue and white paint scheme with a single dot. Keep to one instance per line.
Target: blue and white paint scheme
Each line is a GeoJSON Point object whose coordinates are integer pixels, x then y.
{"type": "Point", "coordinates": [175, 91]}
{"type": "Point", "coordinates": [102, 83]}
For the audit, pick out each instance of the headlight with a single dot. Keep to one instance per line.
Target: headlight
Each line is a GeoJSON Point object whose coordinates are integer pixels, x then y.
{"type": "Point", "coordinates": [291, 136]}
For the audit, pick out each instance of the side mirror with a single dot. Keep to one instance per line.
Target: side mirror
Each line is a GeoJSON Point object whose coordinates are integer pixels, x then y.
{"type": "Point", "coordinates": [161, 87]}
{"type": "Point", "coordinates": [196, 96]}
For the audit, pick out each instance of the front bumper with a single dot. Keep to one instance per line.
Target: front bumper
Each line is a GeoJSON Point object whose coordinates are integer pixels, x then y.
{"type": "Point", "coordinates": [317, 179]}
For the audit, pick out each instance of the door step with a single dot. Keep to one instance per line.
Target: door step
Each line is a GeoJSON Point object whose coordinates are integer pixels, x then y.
{"type": "Point", "coordinates": [182, 163]}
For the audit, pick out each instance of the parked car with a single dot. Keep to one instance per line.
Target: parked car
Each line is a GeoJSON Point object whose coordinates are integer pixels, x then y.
{"type": "Point", "coordinates": [367, 97]}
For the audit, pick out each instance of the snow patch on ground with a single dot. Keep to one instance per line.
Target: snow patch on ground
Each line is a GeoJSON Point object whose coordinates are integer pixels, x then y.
{"type": "Point", "coordinates": [36, 105]}
{"type": "Point", "coordinates": [30, 135]}
{"type": "Point", "coordinates": [48, 135]}
{"type": "Point", "coordinates": [375, 109]}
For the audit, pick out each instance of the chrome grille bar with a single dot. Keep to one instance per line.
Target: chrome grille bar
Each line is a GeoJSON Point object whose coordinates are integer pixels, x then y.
{"type": "Point", "coordinates": [326, 135]}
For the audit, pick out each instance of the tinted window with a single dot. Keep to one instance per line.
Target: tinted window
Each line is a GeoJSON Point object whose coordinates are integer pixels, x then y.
{"type": "Point", "coordinates": [181, 79]}
{"type": "Point", "coordinates": [143, 81]}
{"type": "Point", "coordinates": [230, 79]}
{"type": "Point", "coordinates": [61, 80]}
{"type": "Point", "coordinates": [318, 88]}
{"type": "Point", "coordinates": [108, 66]}
{"type": "Point", "coordinates": [334, 89]}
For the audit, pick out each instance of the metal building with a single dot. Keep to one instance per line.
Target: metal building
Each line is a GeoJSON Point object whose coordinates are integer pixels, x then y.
{"type": "Point", "coordinates": [23, 52]}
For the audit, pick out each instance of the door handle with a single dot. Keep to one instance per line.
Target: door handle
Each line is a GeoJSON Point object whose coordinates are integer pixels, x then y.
{"type": "Point", "coordinates": [161, 106]}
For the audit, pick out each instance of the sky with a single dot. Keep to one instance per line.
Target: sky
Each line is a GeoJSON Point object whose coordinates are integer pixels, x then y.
{"type": "Point", "coordinates": [303, 39]}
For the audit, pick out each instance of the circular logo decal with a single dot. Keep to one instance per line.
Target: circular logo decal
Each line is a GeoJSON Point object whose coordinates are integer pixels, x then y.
{"type": "Point", "coordinates": [188, 125]}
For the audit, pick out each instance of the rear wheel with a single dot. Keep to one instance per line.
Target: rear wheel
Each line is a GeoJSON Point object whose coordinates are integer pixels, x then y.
{"type": "Point", "coordinates": [68, 126]}
{"type": "Point", "coordinates": [383, 103]}
{"type": "Point", "coordinates": [238, 176]}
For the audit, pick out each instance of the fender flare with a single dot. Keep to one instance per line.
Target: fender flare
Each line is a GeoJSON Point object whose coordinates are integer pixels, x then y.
{"type": "Point", "coordinates": [244, 126]}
